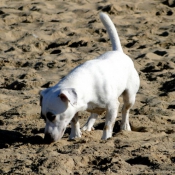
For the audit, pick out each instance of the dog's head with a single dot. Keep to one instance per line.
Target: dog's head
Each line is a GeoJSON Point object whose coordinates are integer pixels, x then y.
{"type": "Point", "coordinates": [58, 108]}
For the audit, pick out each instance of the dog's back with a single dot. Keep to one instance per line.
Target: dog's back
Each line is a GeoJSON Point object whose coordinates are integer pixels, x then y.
{"type": "Point", "coordinates": [104, 73]}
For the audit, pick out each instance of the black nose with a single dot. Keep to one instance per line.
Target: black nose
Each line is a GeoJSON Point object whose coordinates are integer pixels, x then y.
{"type": "Point", "coordinates": [48, 139]}
{"type": "Point", "coordinates": [50, 116]}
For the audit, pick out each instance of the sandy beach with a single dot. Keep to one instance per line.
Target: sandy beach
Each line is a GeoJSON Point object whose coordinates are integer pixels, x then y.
{"type": "Point", "coordinates": [41, 41]}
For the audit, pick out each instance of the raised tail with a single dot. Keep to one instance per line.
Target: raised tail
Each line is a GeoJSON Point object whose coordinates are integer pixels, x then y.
{"type": "Point", "coordinates": [112, 32]}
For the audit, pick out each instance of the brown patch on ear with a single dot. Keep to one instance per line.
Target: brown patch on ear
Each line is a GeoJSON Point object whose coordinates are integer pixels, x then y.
{"type": "Point", "coordinates": [63, 98]}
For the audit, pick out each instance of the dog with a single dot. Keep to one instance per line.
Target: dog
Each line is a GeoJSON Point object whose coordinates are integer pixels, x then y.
{"type": "Point", "coordinates": [93, 86]}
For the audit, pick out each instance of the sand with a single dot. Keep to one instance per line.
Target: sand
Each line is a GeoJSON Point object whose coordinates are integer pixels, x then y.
{"type": "Point", "coordinates": [41, 41]}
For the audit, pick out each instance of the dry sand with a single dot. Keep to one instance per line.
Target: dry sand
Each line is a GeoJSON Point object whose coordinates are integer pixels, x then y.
{"type": "Point", "coordinates": [41, 41]}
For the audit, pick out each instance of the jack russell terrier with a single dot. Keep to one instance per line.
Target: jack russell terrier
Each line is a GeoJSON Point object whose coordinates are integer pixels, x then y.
{"type": "Point", "coordinates": [93, 86]}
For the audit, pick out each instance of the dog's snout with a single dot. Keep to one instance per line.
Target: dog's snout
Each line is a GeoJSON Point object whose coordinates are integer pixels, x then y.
{"type": "Point", "coordinates": [48, 139]}
{"type": "Point", "coordinates": [51, 117]}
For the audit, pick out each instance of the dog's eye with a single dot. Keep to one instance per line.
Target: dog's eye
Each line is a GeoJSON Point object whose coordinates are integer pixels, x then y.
{"type": "Point", "coordinates": [51, 116]}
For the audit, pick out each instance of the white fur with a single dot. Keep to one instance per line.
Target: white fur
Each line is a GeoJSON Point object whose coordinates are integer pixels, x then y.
{"type": "Point", "coordinates": [111, 31]}
{"type": "Point", "coordinates": [93, 86]}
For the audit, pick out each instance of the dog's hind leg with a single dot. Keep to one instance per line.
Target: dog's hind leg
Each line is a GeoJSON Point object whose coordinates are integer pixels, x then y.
{"type": "Point", "coordinates": [75, 127]}
{"type": "Point", "coordinates": [111, 115]}
{"type": "Point", "coordinates": [90, 122]}
{"type": "Point", "coordinates": [129, 100]}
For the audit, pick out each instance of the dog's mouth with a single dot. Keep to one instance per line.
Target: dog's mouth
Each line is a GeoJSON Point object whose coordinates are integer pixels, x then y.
{"type": "Point", "coordinates": [48, 138]}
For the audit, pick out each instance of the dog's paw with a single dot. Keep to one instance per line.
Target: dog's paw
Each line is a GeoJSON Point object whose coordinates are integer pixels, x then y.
{"type": "Point", "coordinates": [75, 134]}
{"type": "Point", "coordinates": [106, 134]}
{"type": "Point", "coordinates": [125, 127]}
{"type": "Point", "coordinates": [87, 128]}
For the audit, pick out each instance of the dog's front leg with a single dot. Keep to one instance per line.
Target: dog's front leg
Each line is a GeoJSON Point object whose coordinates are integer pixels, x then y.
{"type": "Point", "coordinates": [75, 127]}
{"type": "Point", "coordinates": [90, 122]}
{"type": "Point", "coordinates": [111, 115]}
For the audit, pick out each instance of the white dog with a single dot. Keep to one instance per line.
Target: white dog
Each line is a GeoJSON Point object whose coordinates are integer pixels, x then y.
{"type": "Point", "coordinates": [95, 87]}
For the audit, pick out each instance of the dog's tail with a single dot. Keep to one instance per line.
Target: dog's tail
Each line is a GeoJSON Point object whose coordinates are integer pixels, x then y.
{"type": "Point", "coordinates": [112, 32]}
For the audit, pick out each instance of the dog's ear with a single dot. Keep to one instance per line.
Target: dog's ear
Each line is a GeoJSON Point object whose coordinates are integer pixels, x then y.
{"type": "Point", "coordinates": [68, 95]}
{"type": "Point", "coordinates": [42, 93]}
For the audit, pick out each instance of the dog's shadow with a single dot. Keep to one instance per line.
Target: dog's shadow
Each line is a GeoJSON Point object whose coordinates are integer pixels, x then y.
{"type": "Point", "coordinates": [116, 128]}
{"type": "Point", "coordinates": [101, 125]}
{"type": "Point", "coordinates": [8, 138]}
